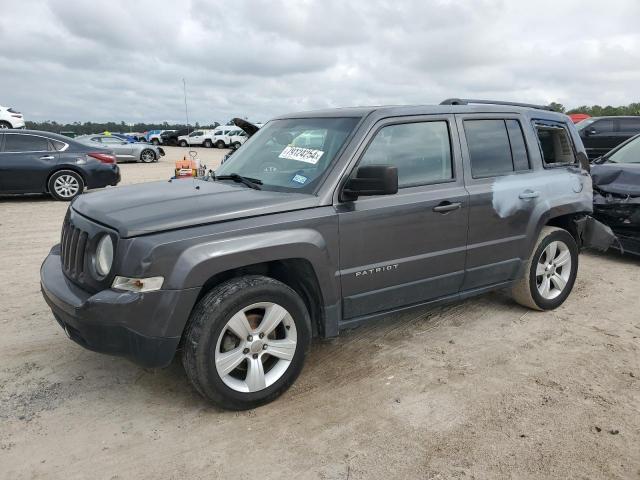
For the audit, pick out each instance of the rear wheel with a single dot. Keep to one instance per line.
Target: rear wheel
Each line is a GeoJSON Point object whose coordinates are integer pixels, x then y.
{"type": "Point", "coordinates": [4, 124]}
{"type": "Point", "coordinates": [65, 185]}
{"type": "Point", "coordinates": [551, 271]}
{"type": "Point", "coordinates": [220, 144]}
{"type": "Point", "coordinates": [207, 143]}
{"type": "Point", "coordinates": [246, 342]}
{"type": "Point", "coordinates": [155, 141]}
{"type": "Point", "coordinates": [147, 155]}
{"type": "Point", "coordinates": [236, 145]}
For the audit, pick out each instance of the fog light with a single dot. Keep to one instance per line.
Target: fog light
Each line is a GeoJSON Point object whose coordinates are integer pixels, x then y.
{"type": "Point", "coordinates": [138, 284]}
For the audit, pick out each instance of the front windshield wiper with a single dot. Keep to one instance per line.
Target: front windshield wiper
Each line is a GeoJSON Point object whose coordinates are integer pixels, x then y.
{"type": "Point", "coordinates": [248, 181]}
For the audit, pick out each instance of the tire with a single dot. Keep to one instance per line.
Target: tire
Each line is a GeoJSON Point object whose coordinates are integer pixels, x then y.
{"type": "Point", "coordinates": [554, 248]}
{"type": "Point", "coordinates": [65, 185]}
{"type": "Point", "coordinates": [4, 124]}
{"type": "Point", "coordinates": [208, 337]}
{"type": "Point", "coordinates": [236, 145]}
{"type": "Point", "coordinates": [220, 144]}
{"type": "Point", "coordinates": [155, 141]}
{"type": "Point", "coordinates": [207, 143]}
{"type": "Point", "coordinates": [183, 143]}
{"type": "Point", "coordinates": [147, 155]}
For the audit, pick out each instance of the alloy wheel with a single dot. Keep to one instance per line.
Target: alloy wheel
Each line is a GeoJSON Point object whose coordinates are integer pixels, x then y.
{"type": "Point", "coordinates": [255, 347]}
{"type": "Point", "coordinates": [66, 186]}
{"type": "Point", "coordinates": [553, 269]}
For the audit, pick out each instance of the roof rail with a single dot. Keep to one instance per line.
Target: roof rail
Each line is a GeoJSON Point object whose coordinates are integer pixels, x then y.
{"type": "Point", "coordinates": [467, 101]}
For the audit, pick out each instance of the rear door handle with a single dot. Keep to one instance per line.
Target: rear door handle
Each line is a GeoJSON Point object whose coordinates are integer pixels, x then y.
{"type": "Point", "coordinates": [47, 157]}
{"type": "Point", "coordinates": [447, 206]}
{"type": "Point", "coordinates": [527, 194]}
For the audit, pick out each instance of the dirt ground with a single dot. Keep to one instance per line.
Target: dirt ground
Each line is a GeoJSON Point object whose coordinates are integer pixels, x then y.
{"type": "Point", "coordinates": [480, 389]}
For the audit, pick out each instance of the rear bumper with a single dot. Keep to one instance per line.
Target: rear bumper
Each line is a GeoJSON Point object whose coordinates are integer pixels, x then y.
{"type": "Point", "coordinates": [143, 327]}
{"type": "Point", "coordinates": [102, 176]}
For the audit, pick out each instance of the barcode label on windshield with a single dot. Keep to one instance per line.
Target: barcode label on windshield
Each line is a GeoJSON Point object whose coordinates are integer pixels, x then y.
{"type": "Point", "coordinates": [306, 155]}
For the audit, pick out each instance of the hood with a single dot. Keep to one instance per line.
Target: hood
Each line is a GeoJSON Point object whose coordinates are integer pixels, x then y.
{"type": "Point", "coordinates": [617, 178]}
{"type": "Point", "coordinates": [248, 127]}
{"type": "Point", "coordinates": [158, 206]}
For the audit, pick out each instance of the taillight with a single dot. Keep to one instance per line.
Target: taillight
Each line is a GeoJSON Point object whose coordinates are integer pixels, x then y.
{"type": "Point", "coordinates": [103, 157]}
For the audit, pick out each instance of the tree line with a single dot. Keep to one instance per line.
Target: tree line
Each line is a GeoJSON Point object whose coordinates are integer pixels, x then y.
{"type": "Point", "coordinates": [96, 127]}
{"type": "Point", "coordinates": [598, 110]}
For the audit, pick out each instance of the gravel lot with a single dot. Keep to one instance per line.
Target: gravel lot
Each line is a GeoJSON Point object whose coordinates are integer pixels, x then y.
{"type": "Point", "coordinates": [480, 389]}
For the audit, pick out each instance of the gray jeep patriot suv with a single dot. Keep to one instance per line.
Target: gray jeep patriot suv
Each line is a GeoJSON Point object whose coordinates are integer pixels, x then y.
{"type": "Point", "coordinates": [320, 222]}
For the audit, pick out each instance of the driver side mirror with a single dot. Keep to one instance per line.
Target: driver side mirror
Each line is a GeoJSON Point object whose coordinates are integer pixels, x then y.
{"type": "Point", "coordinates": [372, 180]}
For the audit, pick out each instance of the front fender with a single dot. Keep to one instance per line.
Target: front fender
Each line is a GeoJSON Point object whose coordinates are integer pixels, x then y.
{"type": "Point", "coordinates": [199, 262]}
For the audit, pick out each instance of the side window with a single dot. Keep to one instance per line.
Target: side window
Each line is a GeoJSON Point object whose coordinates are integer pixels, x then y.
{"type": "Point", "coordinates": [555, 145]}
{"type": "Point", "coordinates": [518, 146]}
{"type": "Point", "coordinates": [25, 143]}
{"type": "Point", "coordinates": [489, 148]}
{"type": "Point", "coordinates": [602, 126]}
{"type": "Point", "coordinates": [420, 151]}
{"type": "Point", "coordinates": [630, 125]}
{"type": "Point", "coordinates": [57, 145]}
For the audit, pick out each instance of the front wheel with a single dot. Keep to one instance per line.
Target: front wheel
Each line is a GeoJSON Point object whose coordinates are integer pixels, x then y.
{"type": "Point", "coordinates": [220, 144]}
{"type": "Point", "coordinates": [207, 143]}
{"type": "Point", "coordinates": [246, 342]}
{"type": "Point", "coordinates": [551, 271]}
{"type": "Point", "coordinates": [4, 124]}
{"type": "Point", "coordinates": [65, 185]}
{"type": "Point", "coordinates": [183, 143]}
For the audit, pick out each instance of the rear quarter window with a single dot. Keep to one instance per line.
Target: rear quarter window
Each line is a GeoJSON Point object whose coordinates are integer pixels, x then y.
{"type": "Point", "coordinates": [556, 146]}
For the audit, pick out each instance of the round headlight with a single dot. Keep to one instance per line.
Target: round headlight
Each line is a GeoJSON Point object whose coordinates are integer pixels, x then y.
{"type": "Point", "coordinates": [104, 255]}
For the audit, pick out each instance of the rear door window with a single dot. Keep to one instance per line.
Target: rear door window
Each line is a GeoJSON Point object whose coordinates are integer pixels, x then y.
{"type": "Point", "coordinates": [629, 125]}
{"type": "Point", "coordinates": [489, 147]}
{"type": "Point", "coordinates": [15, 142]}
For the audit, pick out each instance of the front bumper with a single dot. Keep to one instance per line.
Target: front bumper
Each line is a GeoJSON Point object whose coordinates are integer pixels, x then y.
{"type": "Point", "coordinates": [143, 327]}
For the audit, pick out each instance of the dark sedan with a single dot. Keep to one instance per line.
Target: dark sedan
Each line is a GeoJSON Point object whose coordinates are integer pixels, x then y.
{"type": "Point", "coordinates": [41, 162]}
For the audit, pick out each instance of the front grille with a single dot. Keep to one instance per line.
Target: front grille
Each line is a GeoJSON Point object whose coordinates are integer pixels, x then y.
{"type": "Point", "coordinates": [73, 251]}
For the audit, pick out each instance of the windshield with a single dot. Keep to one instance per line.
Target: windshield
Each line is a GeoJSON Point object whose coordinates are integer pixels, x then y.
{"type": "Point", "coordinates": [290, 154]}
{"type": "Point", "coordinates": [585, 123]}
{"type": "Point", "coordinates": [628, 153]}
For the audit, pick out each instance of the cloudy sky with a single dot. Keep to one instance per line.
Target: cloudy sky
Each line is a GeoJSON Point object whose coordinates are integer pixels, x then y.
{"type": "Point", "coordinates": [69, 60]}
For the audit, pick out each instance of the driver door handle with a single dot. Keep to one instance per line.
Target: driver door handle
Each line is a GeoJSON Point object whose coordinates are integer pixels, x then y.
{"type": "Point", "coordinates": [527, 194]}
{"type": "Point", "coordinates": [47, 157]}
{"type": "Point", "coordinates": [447, 206]}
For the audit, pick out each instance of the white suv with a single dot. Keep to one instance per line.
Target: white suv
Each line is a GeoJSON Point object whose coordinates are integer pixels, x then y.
{"type": "Point", "coordinates": [198, 137]}
{"type": "Point", "coordinates": [9, 118]}
{"type": "Point", "coordinates": [222, 135]}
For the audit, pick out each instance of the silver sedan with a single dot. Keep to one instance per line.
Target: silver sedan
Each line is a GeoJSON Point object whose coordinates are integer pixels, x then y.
{"type": "Point", "coordinates": [123, 150]}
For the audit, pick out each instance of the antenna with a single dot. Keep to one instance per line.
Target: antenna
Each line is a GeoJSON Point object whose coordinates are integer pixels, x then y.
{"type": "Point", "coordinates": [186, 109]}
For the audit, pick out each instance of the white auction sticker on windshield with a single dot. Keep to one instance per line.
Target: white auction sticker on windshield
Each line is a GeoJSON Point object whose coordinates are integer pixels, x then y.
{"type": "Point", "coordinates": [300, 154]}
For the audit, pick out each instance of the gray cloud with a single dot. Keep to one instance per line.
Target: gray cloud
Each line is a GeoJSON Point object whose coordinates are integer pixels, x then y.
{"type": "Point", "coordinates": [72, 60]}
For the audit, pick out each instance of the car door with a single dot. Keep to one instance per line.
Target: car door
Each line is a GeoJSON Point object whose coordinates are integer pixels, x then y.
{"type": "Point", "coordinates": [122, 149]}
{"type": "Point", "coordinates": [498, 174]}
{"type": "Point", "coordinates": [600, 137]}
{"type": "Point", "coordinates": [25, 162]}
{"type": "Point", "coordinates": [407, 248]}
{"type": "Point", "coordinates": [627, 128]}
